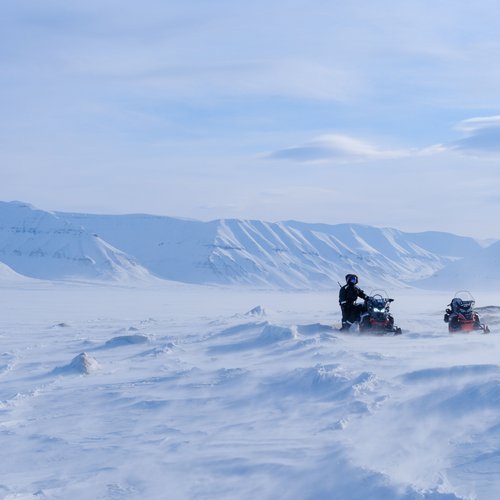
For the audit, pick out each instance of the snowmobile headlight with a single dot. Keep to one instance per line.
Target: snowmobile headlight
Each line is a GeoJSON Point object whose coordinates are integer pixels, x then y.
{"type": "Point", "coordinates": [377, 310]}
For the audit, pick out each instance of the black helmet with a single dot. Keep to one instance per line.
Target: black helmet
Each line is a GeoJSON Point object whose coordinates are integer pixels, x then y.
{"type": "Point", "coordinates": [351, 279]}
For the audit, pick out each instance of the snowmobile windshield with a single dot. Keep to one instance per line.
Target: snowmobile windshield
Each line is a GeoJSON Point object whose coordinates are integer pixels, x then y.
{"type": "Point", "coordinates": [465, 295]}
{"type": "Point", "coordinates": [377, 300]}
{"type": "Point", "coordinates": [379, 294]}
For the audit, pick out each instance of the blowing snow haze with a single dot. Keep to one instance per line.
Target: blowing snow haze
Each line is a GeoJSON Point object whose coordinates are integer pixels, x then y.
{"type": "Point", "coordinates": [289, 255]}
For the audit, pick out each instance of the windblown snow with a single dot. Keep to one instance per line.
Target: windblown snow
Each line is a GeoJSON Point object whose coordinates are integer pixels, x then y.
{"type": "Point", "coordinates": [186, 391]}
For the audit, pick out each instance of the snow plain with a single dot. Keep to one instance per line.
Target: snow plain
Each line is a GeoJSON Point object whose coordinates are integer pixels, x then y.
{"type": "Point", "coordinates": [185, 391]}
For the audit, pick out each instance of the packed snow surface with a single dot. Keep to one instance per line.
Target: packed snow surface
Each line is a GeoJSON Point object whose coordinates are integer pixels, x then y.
{"type": "Point", "coordinates": [183, 391]}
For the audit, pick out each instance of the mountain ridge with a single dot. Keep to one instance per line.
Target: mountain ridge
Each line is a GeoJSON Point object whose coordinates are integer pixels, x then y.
{"type": "Point", "coordinates": [286, 254]}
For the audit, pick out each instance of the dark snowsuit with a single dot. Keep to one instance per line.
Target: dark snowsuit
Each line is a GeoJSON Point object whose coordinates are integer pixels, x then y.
{"type": "Point", "coordinates": [351, 312]}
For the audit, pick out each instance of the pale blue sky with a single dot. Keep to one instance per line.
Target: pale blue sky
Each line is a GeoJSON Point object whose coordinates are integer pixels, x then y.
{"type": "Point", "coordinates": [380, 112]}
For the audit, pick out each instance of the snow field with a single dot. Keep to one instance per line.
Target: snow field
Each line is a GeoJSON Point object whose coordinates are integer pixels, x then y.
{"type": "Point", "coordinates": [179, 391]}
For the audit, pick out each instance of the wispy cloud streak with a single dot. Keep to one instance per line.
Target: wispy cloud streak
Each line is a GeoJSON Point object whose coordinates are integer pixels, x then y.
{"type": "Point", "coordinates": [482, 136]}
{"type": "Point", "coordinates": [337, 147]}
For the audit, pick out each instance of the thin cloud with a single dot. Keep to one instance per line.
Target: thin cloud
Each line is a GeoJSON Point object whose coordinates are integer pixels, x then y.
{"type": "Point", "coordinates": [337, 147]}
{"type": "Point", "coordinates": [472, 125]}
{"type": "Point", "coordinates": [293, 78]}
{"type": "Point", "coordinates": [483, 136]}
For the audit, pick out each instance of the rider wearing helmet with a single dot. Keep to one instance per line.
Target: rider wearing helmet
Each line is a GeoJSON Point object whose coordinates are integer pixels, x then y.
{"type": "Point", "coordinates": [351, 311]}
{"type": "Point", "coordinates": [459, 309]}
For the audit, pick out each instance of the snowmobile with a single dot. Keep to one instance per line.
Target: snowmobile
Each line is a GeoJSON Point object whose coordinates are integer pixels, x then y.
{"type": "Point", "coordinates": [377, 317]}
{"type": "Point", "coordinates": [461, 316]}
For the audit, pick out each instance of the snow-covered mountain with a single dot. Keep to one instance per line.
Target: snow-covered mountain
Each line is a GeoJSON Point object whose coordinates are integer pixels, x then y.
{"type": "Point", "coordinates": [41, 244]}
{"type": "Point", "coordinates": [481, 270]}
{"type": "Point", "coordinates": [289, 254]}
{"type": "Point", "coordinates": [285, 254]}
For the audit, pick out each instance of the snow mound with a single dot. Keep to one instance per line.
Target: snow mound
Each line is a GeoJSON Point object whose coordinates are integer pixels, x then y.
{"type": "Point", "coordinates": [83, 364]}
{"type": "Point", "coordinates": [159, 351]}
{"type": "Point", "coordinates": [274, 333]}
{"type": "Point", "coordinates": [245, 328]}
{"type": "Point", "coordinates": [60, 325]}
{"type": "Point", "coordinates": [257, 311]}
{"type": "Point", "coordinates": [123, 340]}
{"type": "Point", "coordinates": [328, 382]}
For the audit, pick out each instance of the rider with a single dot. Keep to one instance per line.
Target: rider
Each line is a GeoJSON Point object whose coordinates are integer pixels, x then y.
{"type": "Point", "coordinates": [351, 311]}
{"type": "Point", "coordinates": [451, 314]}
{"type": "Point", "coordinates": [458, 307]}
